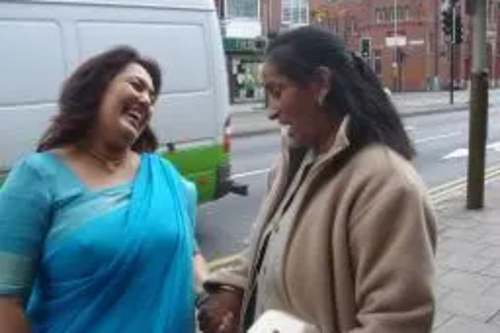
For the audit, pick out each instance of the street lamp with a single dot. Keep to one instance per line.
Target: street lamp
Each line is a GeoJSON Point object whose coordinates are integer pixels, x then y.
{"type": "Point", "coordinates": [396, 65]}
{"type": "Point", "coordinates": [395, 18]}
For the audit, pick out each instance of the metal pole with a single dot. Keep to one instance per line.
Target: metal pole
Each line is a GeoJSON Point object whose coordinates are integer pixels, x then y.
{"type": "Point", "coordinates": [396, 46]}
{"type": "Point", "coordinates": [495, 45]}
{"type": "Point", "coordinates": [478, 110]}
{"type": "Point", "coordinates": [263, 19]}
{"type": "Point", "coordinates": [452, 72]}
{"type": "Point", "coordinates": [268, 30]}
{"type": "Point", "coordinates": [452, 52]}
{"type": "Point", "coordinates": [269, 15]}
{"type": "Point", "coordinates": [436, 45]}
{"type": "Point", "coordinates": [395, 17]}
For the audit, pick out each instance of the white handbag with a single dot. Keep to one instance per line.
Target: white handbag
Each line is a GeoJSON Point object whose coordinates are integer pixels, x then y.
{"type": "Point", "coordinates": [274, 321]}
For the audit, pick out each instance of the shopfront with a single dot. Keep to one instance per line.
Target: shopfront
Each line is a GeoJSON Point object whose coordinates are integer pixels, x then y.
{"type": "Point", "coordinates": [244, 64]}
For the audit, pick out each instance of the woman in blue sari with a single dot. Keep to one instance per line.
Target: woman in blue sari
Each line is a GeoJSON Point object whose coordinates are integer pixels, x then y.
{"type": "Point", "coordinates": [95, 230]}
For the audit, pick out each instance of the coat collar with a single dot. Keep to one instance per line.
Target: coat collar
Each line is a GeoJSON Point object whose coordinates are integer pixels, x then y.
{"type": "Point", "coordinates": [340, 143]}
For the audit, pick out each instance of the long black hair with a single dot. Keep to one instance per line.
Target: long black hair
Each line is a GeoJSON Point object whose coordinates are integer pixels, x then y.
{"type": "Point", "coordinates": [82, 95]}
{"type": "Point", "coordinates": [355, 89]}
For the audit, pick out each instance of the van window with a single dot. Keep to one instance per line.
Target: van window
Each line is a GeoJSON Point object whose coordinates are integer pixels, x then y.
{"type": "Point", "coordinates": [31, 62]}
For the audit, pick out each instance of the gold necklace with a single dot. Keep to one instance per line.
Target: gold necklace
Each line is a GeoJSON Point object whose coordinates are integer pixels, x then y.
{"type": "Point", "coordinates": [109, 164]}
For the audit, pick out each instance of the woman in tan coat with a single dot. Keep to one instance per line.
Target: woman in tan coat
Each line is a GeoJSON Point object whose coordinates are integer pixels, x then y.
{"type": "Point", "coordinates": [345, 238]}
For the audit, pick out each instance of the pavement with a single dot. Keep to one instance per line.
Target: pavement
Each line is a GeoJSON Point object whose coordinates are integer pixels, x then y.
{"type": "Point", "coordinates": [468, 263]}
{"type": "Point", "coordinates": [251, 119]}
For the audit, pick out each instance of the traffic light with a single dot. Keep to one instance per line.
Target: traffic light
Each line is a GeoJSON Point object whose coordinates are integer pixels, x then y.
{"type": "Point", "coordinates": [447, 21]}
{"type": "Point", "coordinates": [452, 22]}
{"type": "Point", "coordinates": [458, 37]}
{"type": "Point", "coordinates": [366, 48]}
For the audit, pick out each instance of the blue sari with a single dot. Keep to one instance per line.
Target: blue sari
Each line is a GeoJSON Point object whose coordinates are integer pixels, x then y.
{"type": "Point", "coordinates": [105, 261]}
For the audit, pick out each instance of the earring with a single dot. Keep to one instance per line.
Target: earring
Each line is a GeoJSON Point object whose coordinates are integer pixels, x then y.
{"type": "Point", "coordinates": [321, 101]}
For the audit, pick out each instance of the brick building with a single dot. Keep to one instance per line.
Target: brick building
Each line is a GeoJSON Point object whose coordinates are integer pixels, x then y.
{"type": "Point", "coordinates": [242, 23]}
{"type": "Point", "coordinates": [278, 15]}
{"type": "Point", "coordinates": [408, 51]}
{"type": "Point", "coordinates": [270, 16]}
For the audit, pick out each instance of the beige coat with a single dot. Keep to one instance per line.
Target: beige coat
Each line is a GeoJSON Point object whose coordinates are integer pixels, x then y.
{"type": "Point", "coordinates": [358, 255]}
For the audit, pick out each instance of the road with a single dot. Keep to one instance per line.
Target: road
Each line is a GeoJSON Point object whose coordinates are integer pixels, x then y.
{"type": "Point", "coordinates": [441, 141]}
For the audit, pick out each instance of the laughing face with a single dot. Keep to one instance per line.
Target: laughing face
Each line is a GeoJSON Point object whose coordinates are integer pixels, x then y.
{"type": "Point", "coordinates": [293, 107]}
{"type": "Point", "coordinates": [126, 106]}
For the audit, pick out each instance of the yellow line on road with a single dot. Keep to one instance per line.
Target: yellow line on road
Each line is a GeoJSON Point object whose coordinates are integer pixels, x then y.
{"type": "Point", "coordinates": [440, 193]}
{"type": "Point", "coordinates": [441, 196]}
{"type": "Point", "coordinates": [453, 183]}
{"type": "Point", "coordinates": [443, 187]}
{"type": "Point", "coordinates": [437, 194]}
{"type": "Point", "coordinates": [492, 176]}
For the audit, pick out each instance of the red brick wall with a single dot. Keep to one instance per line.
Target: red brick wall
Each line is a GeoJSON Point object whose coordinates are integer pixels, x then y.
{"type": "Point", "coordinates": [417, 66]}
{"type": "Point", "coordinates": [270, 15]}
{"type": "Point", "coordinates": [420, 62]}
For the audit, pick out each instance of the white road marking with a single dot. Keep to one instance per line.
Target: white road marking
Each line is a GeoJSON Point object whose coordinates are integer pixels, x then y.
{"type": "Point", "coordinates": [438, 137]}
{"type": "Point", "coordinates": [423, 140]}
{"type": "Point", "coordinates": [464, 152]}
{"type": "Point", "coordinates": [494, 146]}
{"type": "Point", "coordinates": [457, 153]}
{"type": "Point", "coordinates": [250, 173]}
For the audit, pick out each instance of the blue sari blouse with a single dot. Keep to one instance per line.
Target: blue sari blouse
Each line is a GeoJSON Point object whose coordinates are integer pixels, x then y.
{"type": "Point", "coordinates": [112, 260]}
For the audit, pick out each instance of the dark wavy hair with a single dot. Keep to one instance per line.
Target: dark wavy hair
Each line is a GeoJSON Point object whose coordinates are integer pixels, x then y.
{"type": "Point", "coordinates": [355, 89]}
{"type": "Point", "coordinates": [82, 95]}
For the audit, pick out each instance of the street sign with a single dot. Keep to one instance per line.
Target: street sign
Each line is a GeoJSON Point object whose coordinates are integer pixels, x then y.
{"type": "Point", "coordinates": [396, 41]}
{"type": "Point", "coordinates": [417, 42]}
{"type": "Point", "coordinates": [241, 45]}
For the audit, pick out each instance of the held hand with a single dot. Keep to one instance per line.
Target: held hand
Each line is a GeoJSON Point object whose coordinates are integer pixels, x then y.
{"type": "Point", "coordinates": [219, 312]}
{"type": "Point", "coordinates": [229, 324]}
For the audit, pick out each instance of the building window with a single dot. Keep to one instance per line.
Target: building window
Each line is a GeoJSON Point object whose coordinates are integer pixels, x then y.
{"type": "Point", "coordinates": [392, 15]}
{"type": "Point", "coordinates": [407, 13]}
{"type": "Point", "coordinates": [489, 6]}
{"type": "Point", "coordinates": [399, 14]}
{"type": "Point", "coordinates": [492, 10]}
{"type": "Point", "coordinates": [333, 25]}
{"type": "Point", "coordinates": [381, 15]}
{"type": "Point", "coordinates": [242, 9]}
{"type": "Point", "coordinates": [351, 25]}
{"type": "Point", "coordinates": [404, 14]}
{"type": "Point", "coordinates": [295, 11]}
{"type": "Point", "coordinates": [387, 15]}
{"type": "Point", "coordinates": [418, 13]}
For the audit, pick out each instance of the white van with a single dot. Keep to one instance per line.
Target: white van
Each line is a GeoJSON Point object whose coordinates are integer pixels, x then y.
{"type": "Point", "coordinates": [42, 41]}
